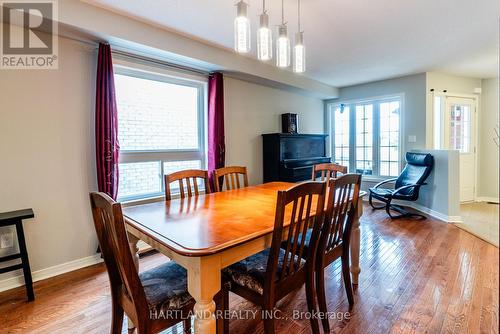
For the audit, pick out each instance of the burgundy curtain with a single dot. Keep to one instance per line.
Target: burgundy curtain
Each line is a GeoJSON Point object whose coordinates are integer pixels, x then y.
{"type": "Point", "coordinates": [106, 125]}
{"type": "Point", "coordinates": [216, 145]}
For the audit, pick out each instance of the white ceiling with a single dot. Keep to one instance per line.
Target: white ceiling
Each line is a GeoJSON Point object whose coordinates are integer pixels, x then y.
{"type": "Point", "coordinates": [351, 41]}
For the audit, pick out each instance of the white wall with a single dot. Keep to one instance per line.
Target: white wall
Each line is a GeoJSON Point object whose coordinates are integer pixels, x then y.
{"type": "Point", "coordinates": [488, 150]}
{"type": "Point", "coordinates": [251, 110]}
{"type": "Point", "coordinates": [46, 145]}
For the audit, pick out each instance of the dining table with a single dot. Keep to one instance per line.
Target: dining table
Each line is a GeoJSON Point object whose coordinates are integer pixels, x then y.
{"type": "Point", "coordinates": [209, 232]}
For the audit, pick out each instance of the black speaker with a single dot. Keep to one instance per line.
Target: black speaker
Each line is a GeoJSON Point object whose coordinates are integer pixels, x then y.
{"type": "Point", "coordinates": [289, 123]}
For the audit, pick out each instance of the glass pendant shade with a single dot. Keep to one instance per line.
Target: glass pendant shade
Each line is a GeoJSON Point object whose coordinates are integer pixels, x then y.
{"type": "Point", "coordinates": [299, 54]}
{"type": "Point", "coordinates": [283, 47]}
{"type": "Point", "coordinates": [264, 39]}
{"type": "Point", "coordinates": [242, 29]}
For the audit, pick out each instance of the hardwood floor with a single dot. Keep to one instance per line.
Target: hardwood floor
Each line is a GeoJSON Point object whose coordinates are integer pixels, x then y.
{"type": "Point", "coordinates": [417, 276]}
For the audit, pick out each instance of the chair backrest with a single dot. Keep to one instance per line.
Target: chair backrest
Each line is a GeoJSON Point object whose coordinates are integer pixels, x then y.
{"type": "Point", "coordinates": [295, 207]}
{"type": "Point", "coordinates": [328, 171]}
{"type": "Point", "coordinates": [230, 178]}
{"type": "Point", "coordinates": [343, 198]}
{"type": "Point", "coordinates": [113, 242]}
{"type": "Point", "coordinates": [189, 179]}
{"type": "Point", "coordinates": [417, 170]}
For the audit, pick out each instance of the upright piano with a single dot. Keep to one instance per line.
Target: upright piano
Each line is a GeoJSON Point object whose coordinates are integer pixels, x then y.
{"type": "Point", "coordinates": [290, 157]}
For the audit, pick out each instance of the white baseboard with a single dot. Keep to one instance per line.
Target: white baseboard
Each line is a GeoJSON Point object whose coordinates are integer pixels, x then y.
{"type": "Point", "coordinates": [435, 214]}
{"type": "Point", "coordinates": [14, 282]}
{"type": "Point", "coordinates": [487, 199]}
{"type": "Point", "coordinates": [423, 209]}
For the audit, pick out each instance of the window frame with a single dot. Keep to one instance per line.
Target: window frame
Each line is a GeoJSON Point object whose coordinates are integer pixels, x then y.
{"type": "Point", "coordinates": [157, 73]}
{"type": "Point", "coordinates": [375, 101]}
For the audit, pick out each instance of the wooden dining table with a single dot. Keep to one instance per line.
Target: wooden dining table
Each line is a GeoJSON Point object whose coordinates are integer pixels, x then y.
{"type": "Point", "coordinates": [207, 233]}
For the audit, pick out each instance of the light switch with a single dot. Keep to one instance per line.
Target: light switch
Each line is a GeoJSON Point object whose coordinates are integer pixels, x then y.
{"type": "Point", "coordinates": [412, 139]}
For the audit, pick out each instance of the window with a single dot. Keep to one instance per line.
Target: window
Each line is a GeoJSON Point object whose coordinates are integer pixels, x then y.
{"type": "Point", "coordinates": [161, 129]}
{"type": "Point", "coordinates": [364, 139]}
{"type": "Point", "coordinates": [366, 136]}
{"type": "Point", "coordinates": [342, 135]}
{"type": "Point", "coordinates": [460, 128]}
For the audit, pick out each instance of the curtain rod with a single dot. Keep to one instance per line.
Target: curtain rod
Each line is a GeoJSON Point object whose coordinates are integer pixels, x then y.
{"type": "Point", "coordinates": [158, 62]}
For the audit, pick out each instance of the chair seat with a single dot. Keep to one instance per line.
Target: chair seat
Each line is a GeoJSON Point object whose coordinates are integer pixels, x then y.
{"type": "Point", "coordinates": [388, 193]}
{"type": "Point", "coordinates": [251, 272]}
{"type": "Point", "coordinates": [384, 192]}
{"type": "Point", "coordinates": [166, 287]}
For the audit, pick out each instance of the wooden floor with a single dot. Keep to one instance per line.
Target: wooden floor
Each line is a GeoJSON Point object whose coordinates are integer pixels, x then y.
{"type": "Point", "coordinates": [417, 277]}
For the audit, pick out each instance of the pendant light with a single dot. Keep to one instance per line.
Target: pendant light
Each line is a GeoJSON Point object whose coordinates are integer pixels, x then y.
{"type": "Point", "coordinates": [283, 42]}
{"type": "Point", "coordinates": [264, 36]}
{"type": "Point", "coordinates": [241, 28]}
{"type": "Point", "coordinates": [299, 51]}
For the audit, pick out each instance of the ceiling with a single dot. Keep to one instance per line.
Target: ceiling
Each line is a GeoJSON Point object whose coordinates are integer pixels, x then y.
{"type": "Point", "coordinates": [351, 41]}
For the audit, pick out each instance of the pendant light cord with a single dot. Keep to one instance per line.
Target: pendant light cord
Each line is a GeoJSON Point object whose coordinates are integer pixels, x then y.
{"type": "Point", "coordinates": [264, 6]}
{"type": "Point", "coordinates": [298, 13]}
{"type": "Point", "coordinates": [282, 11]}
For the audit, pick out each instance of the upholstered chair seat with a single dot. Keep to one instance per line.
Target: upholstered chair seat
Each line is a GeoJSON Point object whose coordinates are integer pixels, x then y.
{"type": "Point", "coordinates": [251, 272]}
{"type": "Point", "coordinates": [165, 287]}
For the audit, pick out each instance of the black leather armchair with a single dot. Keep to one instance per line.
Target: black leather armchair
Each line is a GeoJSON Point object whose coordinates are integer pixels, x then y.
{"type": "Point", "coordinates": [418, 168]}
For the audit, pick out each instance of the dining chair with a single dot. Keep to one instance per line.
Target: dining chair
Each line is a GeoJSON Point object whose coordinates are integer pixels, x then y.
{"type": "Point", "coordinates": [154, 292]}
{"type": "Point", "coordinates": [328, 170]}
{"type": "Point", "coordinates": [268, 276]}
{"type": "Point", "coordinates": [189, 178]}
{"type": "Point", "coordinates": [230, 178]}
{"type": "Point", "coordinates": [335, 235]}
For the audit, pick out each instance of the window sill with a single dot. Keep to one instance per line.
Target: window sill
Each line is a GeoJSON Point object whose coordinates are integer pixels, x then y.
{"type": "Point", "coordinates": [375, 179]}
{"type": "Point", "coordinates": [151, 199]}
{"type": "Point", "coordinates": [145, 200]}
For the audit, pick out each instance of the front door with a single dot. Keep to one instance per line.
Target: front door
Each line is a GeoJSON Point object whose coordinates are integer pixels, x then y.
{"type": "Point", "coordinates": [459, 134]}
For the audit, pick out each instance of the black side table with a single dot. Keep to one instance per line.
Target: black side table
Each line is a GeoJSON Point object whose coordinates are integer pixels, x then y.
{"type": "Point", "coordinates": [16, 218]}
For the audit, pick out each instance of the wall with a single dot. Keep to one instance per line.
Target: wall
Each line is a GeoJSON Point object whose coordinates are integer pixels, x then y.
{"type": "Point", "coordinates": [251, 110]}
{"type": "Point", "coordinates": [487, 174]}
{"type": "Point", "coordinates": [413, 87]}
{"type": "Point", "coordinates": [151, 39]}
{"type": "Point", "coordinates": [437, 198]}
{"type": "Point", "coordinates": [440, 196]}
{"type": "Point", "coordinates": [453, 84]}
{"type": "Point", "coordinates": [488, 150]}
{"type": "Point", "coordinates": [46, 145]}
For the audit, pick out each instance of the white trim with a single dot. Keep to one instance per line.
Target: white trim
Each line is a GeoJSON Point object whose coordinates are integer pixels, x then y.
{"type": "Point", "coordinates": [375, 101]}
{"type": "Point", "coordinates": [16, 281]}
{"type": "Point", "coordinates": [487, 199]}
{"type": "Point", "coordinates": [426, 210]}
{"type": "Point", "coordinates": [475, 117]}
{"type": "Point", "coordinates": [154, 72]}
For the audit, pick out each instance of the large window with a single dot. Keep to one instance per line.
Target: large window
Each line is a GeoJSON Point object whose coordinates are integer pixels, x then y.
{"type": "Point", "coordinates": [366, 136]}
{"type": "Point", "coordinates": [161, 126]}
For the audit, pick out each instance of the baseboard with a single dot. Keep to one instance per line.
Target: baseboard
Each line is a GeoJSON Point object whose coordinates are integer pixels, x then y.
{"type": "Point", "coordinates": [14, 282]}
{"type": "Point", "coordinates": [488, 199]}
{"type": "Point", "coordinates": [423, 209]}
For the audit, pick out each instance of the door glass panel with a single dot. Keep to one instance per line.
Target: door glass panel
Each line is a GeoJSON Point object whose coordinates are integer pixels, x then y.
{"type": "Point", "coordinates": [341, 130]}
{"type": "Point", "coordinates": [364, 135]}
{"type": "Point", "coordinates": [460, 128]}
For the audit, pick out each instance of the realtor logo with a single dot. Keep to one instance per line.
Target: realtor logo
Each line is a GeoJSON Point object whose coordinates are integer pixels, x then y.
{"type": "Point", "coordinates": [29, 35]}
